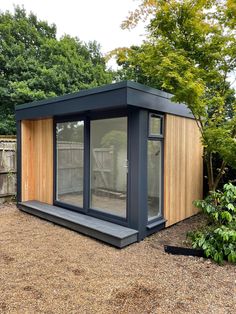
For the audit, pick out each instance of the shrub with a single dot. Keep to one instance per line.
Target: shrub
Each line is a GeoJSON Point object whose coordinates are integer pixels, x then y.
{"type": "Point", "coordinates": [218, 238]}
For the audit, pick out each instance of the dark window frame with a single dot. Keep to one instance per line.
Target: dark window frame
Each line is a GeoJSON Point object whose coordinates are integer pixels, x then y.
{"type": "Point", "coordinates": [86, 180]}
{"type": "Point", "coordinates": [158, 138]}
{"type": "Point", "coordinates": [55, 201]}
{"type": "Point", "coordinates": [161, 117]}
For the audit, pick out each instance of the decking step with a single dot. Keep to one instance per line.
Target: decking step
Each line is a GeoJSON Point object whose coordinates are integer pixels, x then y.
{"type": "Point", "coordinates": [108, 232]}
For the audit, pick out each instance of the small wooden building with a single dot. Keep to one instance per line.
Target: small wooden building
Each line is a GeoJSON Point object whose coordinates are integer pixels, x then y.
{"type": "Point", "coordinates": [117, 162]}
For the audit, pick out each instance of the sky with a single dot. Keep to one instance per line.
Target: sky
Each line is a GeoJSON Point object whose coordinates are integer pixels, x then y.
{"type": "Point", "coordinates": [87, 19]}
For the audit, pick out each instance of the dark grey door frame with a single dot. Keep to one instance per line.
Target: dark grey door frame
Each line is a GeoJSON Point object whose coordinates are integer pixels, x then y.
{"type": "Point", "coordinates": [86, 191]}
{"type": "Point", "coordinates": [55, 201]}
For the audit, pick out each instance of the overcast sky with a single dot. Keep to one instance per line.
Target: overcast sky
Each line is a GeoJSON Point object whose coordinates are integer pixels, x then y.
{"type": "Point", "coordinates": [89, 20]}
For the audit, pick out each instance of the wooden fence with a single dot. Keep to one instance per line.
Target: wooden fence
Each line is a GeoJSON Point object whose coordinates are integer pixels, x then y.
{"type": "Point", "coordinates": [7, 167]}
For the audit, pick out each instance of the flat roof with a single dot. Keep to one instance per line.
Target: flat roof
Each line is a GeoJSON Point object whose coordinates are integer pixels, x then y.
{"type": "Point", "coordinates": [113, 96]}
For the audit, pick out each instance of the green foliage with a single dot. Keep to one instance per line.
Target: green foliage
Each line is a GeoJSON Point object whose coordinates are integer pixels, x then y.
{"type": "Point", "coordinates": [34, 64]}
{"type": "Point", "coordinates": [190, 51]}
{"type": "Point", "coordinates": [70, 131]}
{"type": "Point", "coordinates": [115, 138]}
{"type": "Point", "coordinates": [219, 243]}
{"type": "Point", "coordinates": [220, 206]}
{"type": "Point", "coordinates": [218, 240]}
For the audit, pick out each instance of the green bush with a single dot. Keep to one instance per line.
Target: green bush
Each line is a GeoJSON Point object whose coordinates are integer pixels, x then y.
{"type": "Point", "coordinates": [218, 238]}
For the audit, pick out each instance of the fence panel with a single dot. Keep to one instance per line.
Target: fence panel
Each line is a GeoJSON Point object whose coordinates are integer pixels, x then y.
{"type": "Point", "coordinates": [7, 168]}
{"type": "Point", "coordinates": [70, 167]}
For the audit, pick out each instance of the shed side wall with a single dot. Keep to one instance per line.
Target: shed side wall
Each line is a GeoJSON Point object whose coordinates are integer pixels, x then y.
{"type": "Point", "coordinates": [37, 160]}
{"type": "Point", "coordinates": [183, 168]}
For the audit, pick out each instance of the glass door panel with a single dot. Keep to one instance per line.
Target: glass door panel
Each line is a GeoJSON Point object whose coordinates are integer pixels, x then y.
{"type": "Point", "coordinates": [70, 162]}
{"type": "Point", "coordinates": [108, 166]}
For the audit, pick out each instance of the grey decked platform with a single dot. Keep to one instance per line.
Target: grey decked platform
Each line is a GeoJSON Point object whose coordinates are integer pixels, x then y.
{"type": "Point", "coordinates": [111, 233]}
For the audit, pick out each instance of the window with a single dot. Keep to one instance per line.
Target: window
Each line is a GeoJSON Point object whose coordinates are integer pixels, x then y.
{"type": "Point", "coordinates": [70, 162]}
{"type": "Point", "coordinates": [155, 125]}
{"type": "Point", "coordinates": [108, 166]}
{"type": "Point", "coordinates": [154, 179]}
{"type": "Point", "coordinates": [154, 166]}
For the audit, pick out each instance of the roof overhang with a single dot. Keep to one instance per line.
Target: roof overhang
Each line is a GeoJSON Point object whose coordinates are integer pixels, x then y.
{"type": "Point", "coordinates": [114, 96]}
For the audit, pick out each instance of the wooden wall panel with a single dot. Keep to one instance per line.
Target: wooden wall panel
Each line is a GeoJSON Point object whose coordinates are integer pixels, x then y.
{"type": "Point", "coordinates": [183, 168]}
{"type": "Point", "coordinates": [37, 160]}
{"type": "Point", "coordinates": [27, 172]}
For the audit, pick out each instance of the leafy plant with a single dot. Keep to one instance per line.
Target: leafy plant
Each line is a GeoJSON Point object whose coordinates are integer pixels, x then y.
{"type": "Point", "coordinates": [218, 239]}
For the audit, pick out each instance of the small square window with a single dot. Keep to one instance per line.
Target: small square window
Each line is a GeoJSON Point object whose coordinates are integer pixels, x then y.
{"type": "Point", "coordinates": [155, 125]}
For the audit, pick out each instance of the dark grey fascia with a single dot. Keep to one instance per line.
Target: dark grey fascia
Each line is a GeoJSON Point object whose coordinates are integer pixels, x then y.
{"type": "Point", "coordinates": [69, 106]}
{"type": "Point", "coordinates": [148, 100]}
{"type": "Point", "coordinates": [113, 96]}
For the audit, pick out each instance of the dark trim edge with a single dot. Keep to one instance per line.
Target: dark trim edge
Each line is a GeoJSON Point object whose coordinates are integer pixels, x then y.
{"type": "Point", "coordinates": [96, 90]}
{"type": "Point", "coordinates": [183, 251]}
{"type": "Point", "coordinates": [156, 223]}
{"type": "Point", "coordinates": [19, 192]}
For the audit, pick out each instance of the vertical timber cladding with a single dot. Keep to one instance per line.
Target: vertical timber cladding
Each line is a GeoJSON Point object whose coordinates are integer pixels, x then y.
{"type": "Point", "coordinates": [37, 160]}
{"type": "Point", "coordinates": [183, 168]}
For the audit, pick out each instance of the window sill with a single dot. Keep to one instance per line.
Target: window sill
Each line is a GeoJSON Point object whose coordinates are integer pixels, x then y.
{"type": "Point", "coordinates": [156, 223]}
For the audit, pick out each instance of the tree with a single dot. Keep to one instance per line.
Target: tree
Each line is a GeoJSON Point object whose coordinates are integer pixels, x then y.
{"type": "Point", "coordinates": [34, 64]}
{"type": "Point", "coordinates": [190, 51]}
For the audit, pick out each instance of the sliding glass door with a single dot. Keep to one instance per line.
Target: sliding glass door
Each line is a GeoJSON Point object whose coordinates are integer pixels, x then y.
{"type": "Point", "coordinates": [108, 166]}
{"type": "Point", "coordinates": [70, 162]}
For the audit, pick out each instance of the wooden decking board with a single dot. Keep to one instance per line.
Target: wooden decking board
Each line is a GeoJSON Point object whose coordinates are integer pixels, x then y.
{"type": "Point", "coordinates": [100, 229]}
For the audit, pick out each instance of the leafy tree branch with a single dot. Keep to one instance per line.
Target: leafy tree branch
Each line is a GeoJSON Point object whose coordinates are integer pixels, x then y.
{"type": "Point", "coordinates": [190, 51]}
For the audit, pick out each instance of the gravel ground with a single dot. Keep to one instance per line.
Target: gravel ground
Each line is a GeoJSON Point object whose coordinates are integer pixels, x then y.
{"type": "Point", "coordinates": [48, 269]}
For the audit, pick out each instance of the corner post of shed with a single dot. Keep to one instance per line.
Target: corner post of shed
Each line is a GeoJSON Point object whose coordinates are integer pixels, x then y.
{"type": "Point", "coordinates": [138, 172]}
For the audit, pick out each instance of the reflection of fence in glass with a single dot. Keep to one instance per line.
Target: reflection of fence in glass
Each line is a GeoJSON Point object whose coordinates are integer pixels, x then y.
{"type": "Point", "coordinates": [103, 168]}
{"type": "Point", "coordinates": [70, 167]}
{"type": "Point", "coordinates": [109, 169]}
{"type": "Point", "coordinates": [7, 168]}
